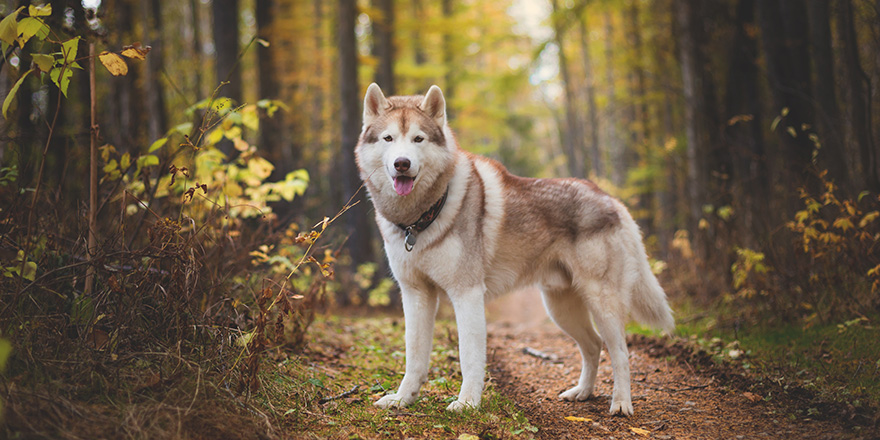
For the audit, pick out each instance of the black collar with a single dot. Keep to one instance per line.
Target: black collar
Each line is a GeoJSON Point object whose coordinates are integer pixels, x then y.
{"type": "Point", "coordinates": [423, 222]}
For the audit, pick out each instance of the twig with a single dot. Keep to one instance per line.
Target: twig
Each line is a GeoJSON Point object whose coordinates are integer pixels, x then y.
{"type": "Point", "coordinates": [541, 355]}
{"type": "Point", "coordinates": [353, 390]}
{"type": "Point", "coordinates": [93, 175]}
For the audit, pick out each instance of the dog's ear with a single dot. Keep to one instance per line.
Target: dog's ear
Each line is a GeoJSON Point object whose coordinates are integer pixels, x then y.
{"type": "Point", "coordinates": [375, 104]}
{"type": "Point", "coordinates": [434, 105]}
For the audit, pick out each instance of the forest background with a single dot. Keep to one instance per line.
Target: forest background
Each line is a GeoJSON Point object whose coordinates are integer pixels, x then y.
{"type": "Point", "coordinates": [742, 134]}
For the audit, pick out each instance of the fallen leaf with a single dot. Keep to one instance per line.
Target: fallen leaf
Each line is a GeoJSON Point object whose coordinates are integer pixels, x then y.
{"type": "Point", "coordinates": [640, 431]}
{"type": "Point", "coordinates": [578, 419]}
{"type": "Point", "coordinates": [468, 437]}
{"type": "Point", "coordinates": [752, 396]}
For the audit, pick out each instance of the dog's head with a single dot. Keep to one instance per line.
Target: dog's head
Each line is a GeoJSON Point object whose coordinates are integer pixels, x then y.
{"type": "Point", "coordinates": [405, 145]}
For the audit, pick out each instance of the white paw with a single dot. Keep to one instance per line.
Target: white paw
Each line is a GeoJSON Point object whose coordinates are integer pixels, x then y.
{"type": "Point", "coordinates": [394, 401]}
{"type": "Point", "coordinates": [463, 404]}
{"type": "Point", "coordinates": [622, 407]}
{"type": "Point", "coordinates": [577, 393]}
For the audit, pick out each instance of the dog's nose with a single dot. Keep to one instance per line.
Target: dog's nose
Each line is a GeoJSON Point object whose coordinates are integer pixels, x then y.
{"type": "Point", "coordinates": [401, 164]}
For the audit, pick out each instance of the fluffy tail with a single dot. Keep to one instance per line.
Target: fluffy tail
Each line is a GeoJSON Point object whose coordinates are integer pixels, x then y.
{"type": "Point", "coordinates": [649, 305]}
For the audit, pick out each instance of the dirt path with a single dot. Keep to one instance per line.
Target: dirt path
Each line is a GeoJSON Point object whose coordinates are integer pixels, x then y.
{"type": "Point", "coordinates": [672, 399]}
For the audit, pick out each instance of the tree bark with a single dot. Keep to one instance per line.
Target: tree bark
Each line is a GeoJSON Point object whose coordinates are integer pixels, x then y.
{"type": "Point", "coordinates": [226, 48]}
{"type": "Point", "coordinates": [448, 58]}
{"type": "Point", "coordinates": [832, 155]}
{"type": "Point", "coordinates": [857, 107]}
{"type": "Point", "coordinates": [273, 137]}
{"type": "Point", "coordinates": [592, 116]}
{"type": "Point", "coordinates": [383, 46]}
{"type": "Point", "coordinates": [694, 107]}
{"type": "Point", "coordinates": [743, 132]}
{"type": "Point", "coordinates": [358, 223]}
{"type": "Point", "coordinates": [612, 138]}
{"type": "Point", "coordinates": [573, 139]}
{"type": "Point", "coordinates": [153, 90]}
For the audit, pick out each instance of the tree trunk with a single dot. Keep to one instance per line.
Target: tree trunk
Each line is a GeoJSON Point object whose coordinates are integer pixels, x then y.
{"type": "Point", "coordinates": [124, 121]}
{"type": "Point", "coordinates": [418, 45]}
{"type": "Point", "coordinates": [592, 116]}
{"type": "Point", "coordinates": [448, 58]}
{"type": "Point", "coordinates": [788, 71]}
{"type": "Point", "coordinates": [743, 132]}
{"type": "Point", "coordinates": [383, 46]}
{"type": "Point", "coordinates": [157, 122]}
{"type": "Point", "coordinates": [273, 137]}
{"type": "Point", "coordinates": [857, 107]}
{"type": "Point", "coordinates": [574, 137]}
{"type": "Point", "coordinates": [226, 36]}
{"type": "Point", "coordinates": [694, 108]}
{"type": "Point", "coordinates": [832, 155]}
{"type": "Point", "coordinates": [613, 141]}
{"type": "Point", "coordinates": [358, 223]}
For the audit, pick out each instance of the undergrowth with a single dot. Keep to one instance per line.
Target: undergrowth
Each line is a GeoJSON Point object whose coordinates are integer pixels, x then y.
{"type": "Point", "coordinates": [329, 391]}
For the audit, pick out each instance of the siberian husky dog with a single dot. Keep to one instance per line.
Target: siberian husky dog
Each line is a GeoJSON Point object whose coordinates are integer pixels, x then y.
{"type": "Point", "coordinates": [456, 223]}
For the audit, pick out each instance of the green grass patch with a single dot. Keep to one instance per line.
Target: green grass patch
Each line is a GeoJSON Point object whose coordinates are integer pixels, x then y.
{"type": "Point", "coordinates": [367, 354]}
{"type": "Point", "coordinates": [840, 361]}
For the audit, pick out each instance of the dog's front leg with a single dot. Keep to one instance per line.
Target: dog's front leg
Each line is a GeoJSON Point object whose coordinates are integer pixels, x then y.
{"type": "Point", "coordinates": [470, 316]}
{"type": "Point", "coordinates": [419, 309]}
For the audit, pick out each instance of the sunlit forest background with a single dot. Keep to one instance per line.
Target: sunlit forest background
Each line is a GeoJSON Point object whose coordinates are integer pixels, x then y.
{"type": "Point", "coordinates": [207, 190]}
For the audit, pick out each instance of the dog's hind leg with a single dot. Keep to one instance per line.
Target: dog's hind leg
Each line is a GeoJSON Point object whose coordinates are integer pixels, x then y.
{"type": "Point", "coordinates": [419, 310]}
{"type": "Point", "coordinates": [569, 311]}
{"type": "Point", "coordinates": [609, 322]}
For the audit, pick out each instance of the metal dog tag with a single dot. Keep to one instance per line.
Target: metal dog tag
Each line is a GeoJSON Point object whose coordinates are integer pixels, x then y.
{"type": "Point", "coordinates": [409, 239]}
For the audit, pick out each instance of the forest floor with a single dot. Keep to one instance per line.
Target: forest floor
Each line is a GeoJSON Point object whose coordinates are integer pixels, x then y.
{"type": "Point", "coordinates": [679, 392]}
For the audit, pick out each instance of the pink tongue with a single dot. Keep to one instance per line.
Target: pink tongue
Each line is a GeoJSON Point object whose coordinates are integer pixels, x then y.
{"type": "Point", "coordinates": [403, 185]}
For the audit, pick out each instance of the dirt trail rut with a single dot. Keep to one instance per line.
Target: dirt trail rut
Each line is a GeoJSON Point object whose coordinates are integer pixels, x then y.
{"type": "Point", "coordinates": [672, 399]}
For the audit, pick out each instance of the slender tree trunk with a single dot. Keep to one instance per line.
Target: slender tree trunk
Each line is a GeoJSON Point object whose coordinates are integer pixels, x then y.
{"type": "Point", "coordinates": [743, 132]}
{"type": "Point", "coordinates": [196, 48]}
{"type": "Point", "coordinates": [574, 137]}
{"type": "Point", "coordinates": [125, 116]}
{"type": "Point", "coordinates": [357, 219]}
{"type": "Point", "coordinates": [592, 114]}
{"type": "Point", "coordinates": [788, 67]}
{"type": "Point", "coordinates": [157, 122]}
{"type": "Point", "coordinates": [273, 136]}
{"type": "Point", "coordinates": [613, 141]}
{"type": "Point", "coordinates": [418, 49]}
{"type": "Point", "coordinates": [832, 154]}
{"type": "Point", "coordinates": [448, 58]}
{"type": "Point", "coordinates": [856, 97]}
{"type": "Point", "coordinates": [226, 47]}
{"type": "Point", "coordinates": [694, 106]}
{"type": "Point", "coordinates": [383, 46]}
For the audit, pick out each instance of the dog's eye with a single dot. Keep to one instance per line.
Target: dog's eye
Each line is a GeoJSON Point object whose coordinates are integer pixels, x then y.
{"type": "Point", "coordinates": [418, 139]}
{"type": "Point", "coordinates": [388, 138]}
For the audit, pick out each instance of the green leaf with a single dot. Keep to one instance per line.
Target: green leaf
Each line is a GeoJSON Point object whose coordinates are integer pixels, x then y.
{"type": "Point", "coordinates": [5, 351]}
{"type": "Point", "coordinates": [12, 92]}
{"type": "Point", "coordinates": [43, 61]}
{"type": "Point", "coordinates": [30, 271]}
{"type": "Point", "coordinates": [61, 80]}
{"type": "Point", "coordinates": [9, 28]}
{"type": "Point", "coordinates": [157, 144]}
{"type": "Point", "coordinates": [28, 27]}
{"type": "Point", "coordinates": [125, 161]}
{"type": "Point", "coordinates": [184, 128]}
{"type": "Point", "coordinates": [146, 161]}
{"type": "Point", "coordinates": [40, 11]}
{"type": "Point", "coordinates": [68, 48]}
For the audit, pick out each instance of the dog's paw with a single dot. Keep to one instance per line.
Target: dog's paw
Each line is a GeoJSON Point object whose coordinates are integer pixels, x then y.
{"type": "Point", "coordinates": [393, 401]}
{"type": "Point", "coordinates": [624, 408]}
{"type": "Point", "coordinates": [461, 405]}
{"type": "Point", "coordinates": [577, 394]}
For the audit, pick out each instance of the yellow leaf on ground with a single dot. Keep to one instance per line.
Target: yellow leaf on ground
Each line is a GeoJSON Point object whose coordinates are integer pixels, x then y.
{"type": "Point", "coordinates": [578, 419]}
{"type": "Point", "coordinates": [640, 431]}
{"type": "Point", "coordinates": [468, 437]}
{"type": "Point", "coordinates": [114, 63]}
